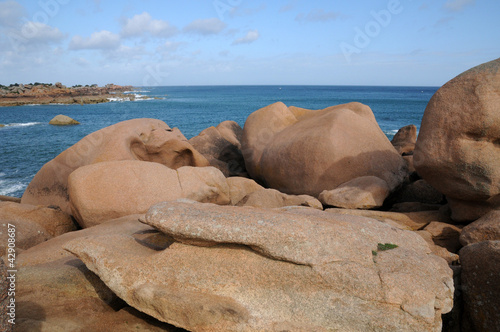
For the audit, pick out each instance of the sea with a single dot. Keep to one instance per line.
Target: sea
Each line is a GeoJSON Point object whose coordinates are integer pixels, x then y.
{"type": "Point", "coordinates": [27, 141]}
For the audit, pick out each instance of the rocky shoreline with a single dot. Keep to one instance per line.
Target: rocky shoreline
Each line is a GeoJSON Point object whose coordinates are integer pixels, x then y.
{"type": "Point", "coordinates": [302, 220]}
{"type": "Point", "coordinates": [43, 93]}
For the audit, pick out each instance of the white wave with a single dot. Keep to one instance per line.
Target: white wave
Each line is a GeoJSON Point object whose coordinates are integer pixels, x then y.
{"type": "Point", "coordinates": [118, 99]}
{"type": "Point", "coordinates": [142, 91]}
{"type": "Point", "coordinates": [26, 124]}
{"type": "Point", "coordinates": [142, 97]}
{"type": "Point", "coordinates": [10, 188]}
{"type": "Point", "coordinates": [137, 97]}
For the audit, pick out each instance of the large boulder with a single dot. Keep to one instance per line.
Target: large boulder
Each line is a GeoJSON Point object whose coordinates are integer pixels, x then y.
{"type": "Point", "coordinates": [138, 139]}
{"type": "Point", "coordinates": [298, 151]}
{"type": "Point", "coordinates": [222, 147]}
{"type": "Point", "coordinates": [457, 147]}
{"type": "Point", "coordinates": [114, 189]}
{"type": "Point", "coordinates": [247, 269]}
{"type": "Point", "coordinates": [480, 276]}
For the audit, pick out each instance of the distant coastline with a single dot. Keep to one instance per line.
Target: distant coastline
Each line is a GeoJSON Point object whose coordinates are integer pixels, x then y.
{"type": "Point", "coordinates": [48, 93]}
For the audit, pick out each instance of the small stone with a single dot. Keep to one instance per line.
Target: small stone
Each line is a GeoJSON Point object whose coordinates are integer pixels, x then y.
{"type": "Point", "coordinates": [63, 120]}
{"type": "Point", "coordinates": [486, 228]}
{"type": "Point", "coordinates": [405, 139]}
{"type": "Point", "coordinates": [366, 192]}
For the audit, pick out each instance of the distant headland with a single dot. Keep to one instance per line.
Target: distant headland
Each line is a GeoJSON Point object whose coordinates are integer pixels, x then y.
{"type": "Point", "coordinates": [48, 93]}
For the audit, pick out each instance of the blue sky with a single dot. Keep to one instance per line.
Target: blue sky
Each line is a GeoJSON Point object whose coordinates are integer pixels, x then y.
{"type": "Point", "coordinates": [224, 42]}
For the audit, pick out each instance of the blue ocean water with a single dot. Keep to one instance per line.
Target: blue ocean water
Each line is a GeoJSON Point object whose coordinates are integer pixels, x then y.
{"type": "Point", "coordinates": [28, 141]}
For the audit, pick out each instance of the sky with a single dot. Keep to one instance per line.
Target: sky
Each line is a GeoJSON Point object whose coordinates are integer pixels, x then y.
{"type": "Point", "coordinates": [243, 42]}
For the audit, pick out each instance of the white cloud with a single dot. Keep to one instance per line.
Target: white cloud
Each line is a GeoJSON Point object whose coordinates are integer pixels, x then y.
{"type": "Point", "coordinates": [10, 13]}
{"type": "Point", "coordinates": [42, 32]}
{"type": "Point", "coordinates": [169, 46]}
{"type": "Point", "coordinates": [82, 62]}
{"type": "Point", "coordinates": [143, 23]}
{"type": "Point", "coordinates": [457, 5]}
{"type": "Point", "coordinates": [34, 34]}
{"type": "Point", "coordinates": [288, 7]}
{"type": "Point", "coordinates": [250, 37]}
{"type": "Point", "coordinates": [242, 11]}
{"type": "Point", "coordinates": [209, 26]}
{"type": "Point", "coordinates": [443, 21]}
{"type": "Point", "coordinates": [102, 40]}
{"type": "Point", "coordinates": [126, 54]}
{"type": "Point", "coordinates": [317, 15]}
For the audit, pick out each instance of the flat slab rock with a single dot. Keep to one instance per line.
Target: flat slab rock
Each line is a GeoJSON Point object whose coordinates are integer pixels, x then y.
{"type": "Point", "coordinates": [241, 269]}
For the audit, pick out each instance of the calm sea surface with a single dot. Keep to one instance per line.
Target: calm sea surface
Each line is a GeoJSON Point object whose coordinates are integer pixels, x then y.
{"type": "Point", "coordinates": [28, 141]}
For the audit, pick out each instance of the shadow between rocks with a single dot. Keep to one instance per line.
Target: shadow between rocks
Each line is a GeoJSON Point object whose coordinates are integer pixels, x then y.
{"type": "Point", "coordinates": [105, 294]}
{"type": "Point", "coordinates": [36, 314]}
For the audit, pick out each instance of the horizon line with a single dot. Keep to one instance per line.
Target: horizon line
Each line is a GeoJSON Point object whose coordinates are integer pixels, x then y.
{"type": "Point", "coordinates": [282, 85]}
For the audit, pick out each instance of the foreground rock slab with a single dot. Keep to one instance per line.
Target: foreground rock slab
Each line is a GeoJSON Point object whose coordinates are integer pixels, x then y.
{"type": "Point", "coordinates": [241, 269]}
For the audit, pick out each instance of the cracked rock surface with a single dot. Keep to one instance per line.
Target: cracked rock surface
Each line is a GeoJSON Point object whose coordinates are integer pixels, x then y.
{"type": "Point", "coordinates": [240, 269]}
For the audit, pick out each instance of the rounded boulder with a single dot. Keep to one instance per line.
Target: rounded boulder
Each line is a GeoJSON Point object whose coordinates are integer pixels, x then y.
{"type": "Point", "coordinates": [457, 150]}
{"type": "Point", "coordinates": [299, 151]}
{"type": "Point", "coordinates": [109, 190]}
{"type": "Point", "coordinates": [138, 139]}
